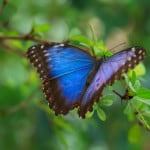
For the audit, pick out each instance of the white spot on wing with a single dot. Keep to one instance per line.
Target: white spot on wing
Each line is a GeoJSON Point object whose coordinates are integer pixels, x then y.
{"type": "Point", "coordinates": [42, 46]}
{"type": "Point", "coordinates": [36, 60]}
{"type": "Point", "coordinates": [129, 58]}
{"type": "Point", "coordinates": [140, 51]}
{"type": "Point", "coordinates": [133, 49]}
{"type": "Point", "coordinates": [39, 65]}
{"type": "Point", "coordinates": [135, 61]}
{"type": "Point", "coordinates": [129, 65]}
{"type": "Point", "coordinates": [55, 46]}
{"type": "Point", "coordinates": [31, 52]}
{"type": "Point", "coordinates": [140, 57]}
{"type": "Point", "coordinates": [34, 56]}
{"type": "Point", "coordinates": [46, 54]}
{"type": "Point", "coordinates": [123, 70]}
{"type": "Point", "coordinates": [61, 44]}
{"type": "Point", "coordinates": [123, 63]}
{"type": "Point", "coordinates": [33, 47]}
{"type": "Point", "coordinates": [44, 51]}
{"type": "Point", "coordinates": [41, 71]}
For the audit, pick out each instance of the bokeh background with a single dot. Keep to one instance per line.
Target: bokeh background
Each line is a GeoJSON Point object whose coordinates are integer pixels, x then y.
{"type": "Point", "coordinates": [25, 120]}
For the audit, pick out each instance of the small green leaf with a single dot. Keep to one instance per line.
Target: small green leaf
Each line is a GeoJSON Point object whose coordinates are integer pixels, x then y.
{"type": "Point", "coordinates": [137, 85]}
{"type": "Point", "coordinates": [101, 114]}
{"type": "Point", "coordinates": [82, 39]}
{"type": "Point", "coordinates": [95, 106]}
{"type": "Point", "coordinates": [134, 134]}
{"type": "Point", "coordinates": [127, 109]}
{"type": "Point", "coordinates": [129, 112]}
{"type": "Point", "coordinates": [139, 70]}
{"type": "Point", "coordinates": [107, 100]}
{"type": "Point", "coordinates": [89, 114]}
{"type": "Point", "coordinates": [128, 82]}
{"type": "Point", "coordinates": [143, 93]}
{"type": "Point", "coordinates": [42, 28]}
{"type": "Point", "coordinates": [143, 100]}
{"type": "Point", "coordinates": [100, 49]}
{"type": "Point", "coordinates": [133, 77]}
{"type": "Point", "coordinates": [146, 113]}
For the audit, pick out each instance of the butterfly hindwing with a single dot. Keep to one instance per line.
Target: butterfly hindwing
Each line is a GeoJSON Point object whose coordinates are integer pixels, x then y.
{"type": "Point", "coordinates": [64, 70]}
{"type": "Point", "coordinates": [109, 71]}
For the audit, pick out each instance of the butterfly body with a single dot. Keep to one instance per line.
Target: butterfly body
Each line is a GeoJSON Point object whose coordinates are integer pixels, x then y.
{"type": "Point", "coordinates": [73, 78]}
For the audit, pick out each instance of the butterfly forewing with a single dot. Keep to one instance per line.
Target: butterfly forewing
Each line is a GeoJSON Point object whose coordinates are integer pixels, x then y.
{"type": "Point", "coordinates": [64, 70]}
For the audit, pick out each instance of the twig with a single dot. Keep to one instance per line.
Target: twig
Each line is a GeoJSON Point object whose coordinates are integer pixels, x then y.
{"type": "Point", "coordinates": [140, 117]}
{"type": "Point", "coordinates": [4, 3]}
{"type": "Point", "coordinates": [126, 96]}
{"type": "Point", "coordinates": [10, 49]}
{"type": "Point", "coordinates": [25, 38]}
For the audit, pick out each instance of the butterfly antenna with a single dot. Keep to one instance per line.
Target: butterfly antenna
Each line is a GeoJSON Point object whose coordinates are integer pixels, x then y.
{"type": "Point", "coordinates": [94, 38]}
{"type": "Point", "coordinates": [113, 48]}
{"type": "Point", "coordinates": [93, 33]}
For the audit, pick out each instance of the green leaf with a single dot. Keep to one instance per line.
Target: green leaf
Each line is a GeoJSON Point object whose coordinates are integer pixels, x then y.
{"type": "Point", "coordinates": [95, 106]}
{"type": "Point", "coordinates": [139, 70]}
{"type": "Point", "coordinates": [89, 114]}
{"type": "Point", "coordinates": [144, 93]}
{"type": "Point", "coordinates": [101, 114]}
{"type": "Point", "coordinates": [107, 100]}
{"type": "Point", "coordinates": [146, 113]}
{"type": "Point", "coordinates": [146, 101]}
{"type": "Point", "coordinates": [137, 85]}
{"type": "Point", "coordinates": [134, 134]}
{"type": "Point", "coordinates": [129, 112]}
{"type": "Point", "coordinates": [82, 39]}
{"type": "Point", "coordinates": [133, 77]}
{"type": "Point", "coordinates": [42, 28]}
{"type": "Point", "coordinates": [128, 82]}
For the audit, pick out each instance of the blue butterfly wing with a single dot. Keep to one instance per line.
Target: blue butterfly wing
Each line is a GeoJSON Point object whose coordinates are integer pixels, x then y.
{"type": "Point", "coordinates": [109, 71]}
{"type": "Point", "coordinates": [64, 70]}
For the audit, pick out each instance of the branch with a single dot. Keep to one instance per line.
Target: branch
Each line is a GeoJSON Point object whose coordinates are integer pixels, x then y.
{"type": "Point", "coordinates": [137, 113]}
{"type": "Point", "coordinates": [126, 96]}
{"type": "Point", "coordinates": [10, 49]}
{"type": "Point", "coordinates": [25, 38]}
{"type": "Point", "coordinates": [4, 3]}
{"type": "Point", "coordinates": [140, 117]}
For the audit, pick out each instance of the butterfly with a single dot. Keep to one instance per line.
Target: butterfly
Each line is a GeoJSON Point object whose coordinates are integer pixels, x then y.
{"type": "Point", "coordinates": [72, 77]}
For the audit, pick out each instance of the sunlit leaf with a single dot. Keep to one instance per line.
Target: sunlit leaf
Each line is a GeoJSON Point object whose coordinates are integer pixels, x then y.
{"type": "Point", "coordinates": [107, 100]}
{"type": "Point", "coordinates": [89, 114]}
{"type": "Point", "coordinates": [101, 114]}
{"type": "Point", "coordinates": [129, 112]}
{"type": "Point", "coordinates": [42, 28]}
{"type": "Point", "coordinates": [143, 100]}
{"type": "Point", "coordinates": [82, 40]}
{"type": "Point", "coordinates": [134, 134]}
{"type": "Point", "coordinates": [143, 93]}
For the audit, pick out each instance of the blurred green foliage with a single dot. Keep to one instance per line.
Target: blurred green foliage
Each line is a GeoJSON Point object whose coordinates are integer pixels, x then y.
{"type": "Point", "coordinates": [26, 122]}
